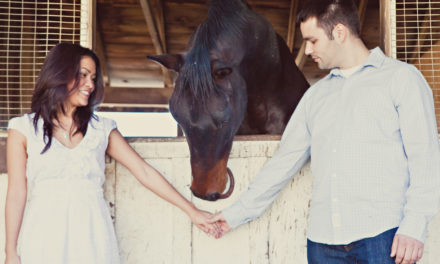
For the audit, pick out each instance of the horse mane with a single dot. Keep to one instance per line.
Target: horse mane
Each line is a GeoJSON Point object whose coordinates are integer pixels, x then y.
{"type": "Point", "coordinates": [224, 17]}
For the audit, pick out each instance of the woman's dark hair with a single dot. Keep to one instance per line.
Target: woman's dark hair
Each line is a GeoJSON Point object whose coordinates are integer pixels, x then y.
{"type": "Point", "coordinates": [61, 66]}
{"type": "Point", "coordinates": [329, 13]}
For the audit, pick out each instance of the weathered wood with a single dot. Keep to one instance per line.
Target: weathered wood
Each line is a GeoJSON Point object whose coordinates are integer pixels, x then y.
{"type": "Point", "coordinates": [385, 27]}
{"type": "Point", "coordinates": [138, 73]}
{"type": "Point", "coordinates": [137, 95]}
{"type": "Point", "coordinates": [150, 230]}
{"type": "Point", "coordinates": [139, 63]}
{"type": "Point", "coordinates": [156, 31]}
{"type": "Point", "coordinates": [127, 42]}
{"type": "Point", "coordinates": [292, 24]}
{"type": "Point", "coordinates": [362, 9]}
{"type": "Point", "coordinates": [159, 45]}
{"type": "Point", "coordinates": [301, 57]}
{"type": "Point", "coordinates": [100, 52]}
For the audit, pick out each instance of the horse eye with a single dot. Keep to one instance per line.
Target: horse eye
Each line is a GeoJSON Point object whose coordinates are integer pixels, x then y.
{"type": "Point", "coordinates": [222, 73]}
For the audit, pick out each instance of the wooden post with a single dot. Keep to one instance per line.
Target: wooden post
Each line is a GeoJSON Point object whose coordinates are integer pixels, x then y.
{"type": "Point", "coordinates": [385, 26]}
{"type": "Point", "coordinates": [156, 31]}
{"type": "Point", "coordinates": [292, 25]}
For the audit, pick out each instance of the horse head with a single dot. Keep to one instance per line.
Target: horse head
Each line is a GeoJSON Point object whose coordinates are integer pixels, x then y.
{"type": "Point", "coordinates": [232, 58]}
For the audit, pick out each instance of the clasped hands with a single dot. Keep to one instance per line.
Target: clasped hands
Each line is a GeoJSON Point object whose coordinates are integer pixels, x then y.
{"type": "Point", "coordinates": [212, 224]}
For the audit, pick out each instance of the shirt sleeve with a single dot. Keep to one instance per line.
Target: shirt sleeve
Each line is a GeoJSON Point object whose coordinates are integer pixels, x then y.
{"type": "Point", "coordinates": [20, 124]}
{"type": "Point", "coordinates": [290, 157]}
{"type": "Point", "coordinates": [109, 125]}
{"type": "Point", "coordinates": [415, 106]}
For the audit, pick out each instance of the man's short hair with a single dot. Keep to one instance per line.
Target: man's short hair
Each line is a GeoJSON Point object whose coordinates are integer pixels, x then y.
{"type": "Point", "coordinates": [329, 13]}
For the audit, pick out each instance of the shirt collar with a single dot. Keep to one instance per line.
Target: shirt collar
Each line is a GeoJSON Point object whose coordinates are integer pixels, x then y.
{"type": "Point", "coordinates": [375, 59]}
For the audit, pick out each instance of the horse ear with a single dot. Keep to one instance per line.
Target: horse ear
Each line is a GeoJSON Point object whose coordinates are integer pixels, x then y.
{"type": "Point", "coordinates": [171, 61]}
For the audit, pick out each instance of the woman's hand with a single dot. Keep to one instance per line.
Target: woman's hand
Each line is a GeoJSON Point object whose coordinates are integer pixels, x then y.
{"type": "Point", "coordinates": [201, 220]}
{"type": "Point", "coordinates": [222, 225]}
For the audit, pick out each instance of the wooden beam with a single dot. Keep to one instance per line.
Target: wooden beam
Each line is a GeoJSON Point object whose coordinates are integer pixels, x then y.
{"type": "Point", "coordinates": [152, 96]}
{"type": "Point", "coordinates": [301, 56]}
{"type": "Point", "coordinates": [100, 52]}
{"type": "Point", "coordinates": [155, 34]}
{"type": "Point", "coordinates": [158, 17]}
{"type": "Point", "coordinates": [385, 27]}
{"type": "Point", "coordinates": [362, 9]}
{"type": "Point", "coordinates": [152, 27]}
{"type": "Point", "coordinates": [292, 25]}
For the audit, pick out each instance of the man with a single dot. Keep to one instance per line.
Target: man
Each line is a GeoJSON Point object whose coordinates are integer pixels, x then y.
{"type": "Point", "coordinates": [370, 129]}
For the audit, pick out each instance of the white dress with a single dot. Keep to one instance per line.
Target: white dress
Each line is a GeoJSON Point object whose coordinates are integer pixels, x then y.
{"type": "Point", "coordinates": [67, 220]}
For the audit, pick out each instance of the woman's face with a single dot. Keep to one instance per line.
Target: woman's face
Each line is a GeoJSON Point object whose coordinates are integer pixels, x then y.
{"type": "Point", "coordinates": [80, 96]}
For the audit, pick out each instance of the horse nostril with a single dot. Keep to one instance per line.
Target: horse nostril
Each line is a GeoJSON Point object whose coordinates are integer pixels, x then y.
{"type": "Point", "coordinates": [213, 196]}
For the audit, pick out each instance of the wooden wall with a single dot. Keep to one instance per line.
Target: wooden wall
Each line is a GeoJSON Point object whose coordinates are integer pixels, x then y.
{"type": "Point", "coordinates": [151, 231]}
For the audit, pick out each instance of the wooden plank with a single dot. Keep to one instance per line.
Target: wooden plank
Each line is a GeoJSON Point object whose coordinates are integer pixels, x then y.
{"type": "Point", "coordinates": [292, 24]}
{"type": "Point", "coordinates": [385, 26]}
{"type": "Point", "coordinates": [154, 31]}
{"type": "Point", "coordinates": [281, 4]}
{"type": "Point", "coordinates": [125, 38]}
{"type": "Point", "coordinates": [301, 57]}
{"type": "Point", "coordinates": [152, 27]}
{"type": "Point", "coordinates": [362, 9]}
{"type": "Point", "coordinates": [140, 63]}
{"type": "Point", "coordinates": [137, 95]}
{"type": "Point", "coordinates": [159, 18]}
{"type": "Point", "coordinates": [100, 52]}
{"type": "Point", "coordinates": [137, 73]}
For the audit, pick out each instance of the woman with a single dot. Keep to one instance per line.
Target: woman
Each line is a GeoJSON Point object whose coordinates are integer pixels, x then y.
{"type": "Point", "coordinates": [58, 151]}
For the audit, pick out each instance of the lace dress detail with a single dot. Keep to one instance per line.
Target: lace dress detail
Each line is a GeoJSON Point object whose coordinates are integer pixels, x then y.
{"type": "Point", "coordinates": [67, 220]}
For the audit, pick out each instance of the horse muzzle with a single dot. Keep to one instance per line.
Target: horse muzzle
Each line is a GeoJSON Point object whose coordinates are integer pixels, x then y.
{"type": "Point", "coordinates": [214, 196]}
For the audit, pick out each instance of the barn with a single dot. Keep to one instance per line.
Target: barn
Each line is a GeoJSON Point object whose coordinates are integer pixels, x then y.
{"type": "Point", "coordinates": [122, 33]}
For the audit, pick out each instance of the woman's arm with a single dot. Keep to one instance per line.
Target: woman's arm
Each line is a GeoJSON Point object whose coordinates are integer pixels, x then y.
{"type": "Point", "coordinates": [122, 152]}
{"type": "Point", "coordinates": [17, 190]}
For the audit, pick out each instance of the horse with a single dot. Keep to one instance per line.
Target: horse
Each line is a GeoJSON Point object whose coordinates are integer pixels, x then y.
{"type": "Point", "coordinates": [237, 77]}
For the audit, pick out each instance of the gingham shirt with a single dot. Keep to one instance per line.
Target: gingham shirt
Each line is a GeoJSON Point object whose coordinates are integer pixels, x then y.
{"type": "Point", "coordinates": [375, 155]}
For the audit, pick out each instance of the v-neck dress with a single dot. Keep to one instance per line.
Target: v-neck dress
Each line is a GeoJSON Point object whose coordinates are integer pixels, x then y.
{"type": "Point", "coordinates": [66, 220]}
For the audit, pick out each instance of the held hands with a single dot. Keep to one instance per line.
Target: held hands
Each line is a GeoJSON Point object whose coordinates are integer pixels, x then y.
{"type": "Point", "coordinates": [202, 220]}
{"type": "Point", "coordinates": [222, 225]}
{"type": "Point", "coordinates": [407, 250]}
{"type": "Point", "coordinates": [212, 224]}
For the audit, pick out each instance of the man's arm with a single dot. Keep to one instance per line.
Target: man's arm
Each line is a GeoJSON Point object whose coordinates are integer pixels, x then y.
{"type": "Point", "coordinates": [292, 154]}
{"type": "Point", "coordinates": [414, 103]}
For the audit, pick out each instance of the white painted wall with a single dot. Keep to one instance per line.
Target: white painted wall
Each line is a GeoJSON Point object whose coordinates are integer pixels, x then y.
{"type": "Point", "coordinates": [151, 231]}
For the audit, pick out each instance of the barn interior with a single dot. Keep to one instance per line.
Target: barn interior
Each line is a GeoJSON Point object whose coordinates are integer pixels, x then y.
{"type": "Point", "coordinates": [128, 30]}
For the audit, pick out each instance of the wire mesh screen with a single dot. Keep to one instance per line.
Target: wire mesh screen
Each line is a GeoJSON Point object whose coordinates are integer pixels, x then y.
{"type": "Point", "coordinates": [416, 39]}
{"type": "Point", "coordinates": [28, 30]}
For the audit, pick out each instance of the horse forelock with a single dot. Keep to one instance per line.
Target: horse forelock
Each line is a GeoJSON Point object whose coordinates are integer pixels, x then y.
{"type": "Point", "coordinates": [225, 17]}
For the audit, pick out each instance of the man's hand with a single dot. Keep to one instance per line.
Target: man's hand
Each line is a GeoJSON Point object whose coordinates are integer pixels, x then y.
{"type": "Point", "coordinates": [220, 220]}
{"type": "Point", "coordinates": [201, 220]}
{"type": "Point", "coordinates": [407, 250]}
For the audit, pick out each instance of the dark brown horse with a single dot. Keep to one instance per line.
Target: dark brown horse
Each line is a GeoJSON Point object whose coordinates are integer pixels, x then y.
{"type": "Point", "coordinates": [237, 77]}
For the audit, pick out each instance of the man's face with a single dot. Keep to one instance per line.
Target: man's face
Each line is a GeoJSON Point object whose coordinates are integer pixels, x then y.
{"type": "Point", "coordinates": [318, 45]}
